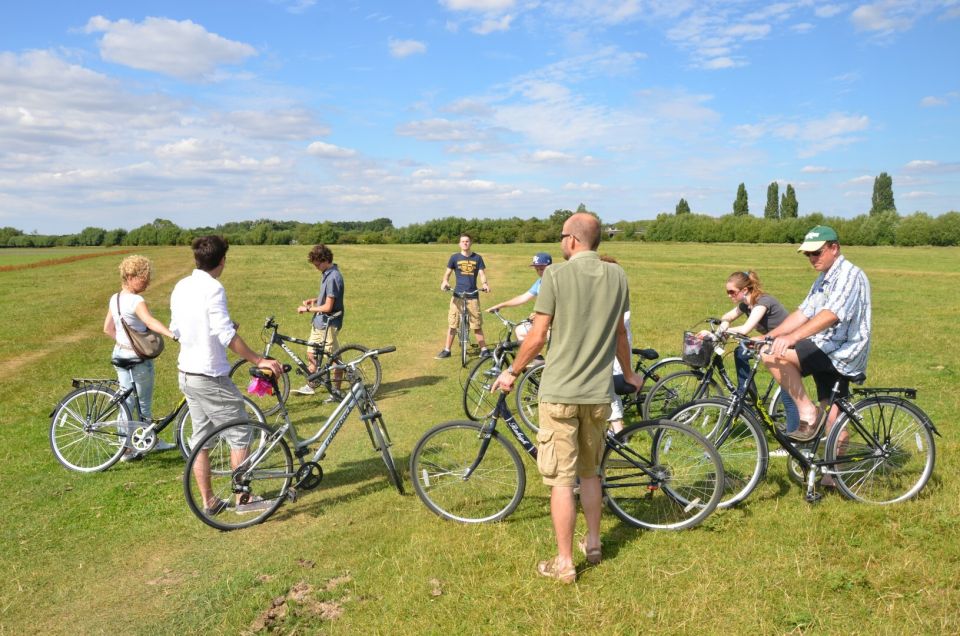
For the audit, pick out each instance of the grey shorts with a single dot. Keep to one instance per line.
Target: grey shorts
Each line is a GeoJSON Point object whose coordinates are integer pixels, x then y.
{"type": "Point", "coordinates": [214, 402]}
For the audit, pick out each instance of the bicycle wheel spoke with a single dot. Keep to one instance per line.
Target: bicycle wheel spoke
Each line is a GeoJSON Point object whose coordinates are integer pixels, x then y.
{"type": "Point", "coordinates": [88, 429]}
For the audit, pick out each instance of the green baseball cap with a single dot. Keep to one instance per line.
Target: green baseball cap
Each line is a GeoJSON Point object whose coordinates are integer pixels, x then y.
{"type": "Point", "coordinates": [817, 237]}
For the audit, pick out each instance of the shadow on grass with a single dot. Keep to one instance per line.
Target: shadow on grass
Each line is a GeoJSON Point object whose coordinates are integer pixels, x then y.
{"type": "Point", "coordinates": [400, 387]}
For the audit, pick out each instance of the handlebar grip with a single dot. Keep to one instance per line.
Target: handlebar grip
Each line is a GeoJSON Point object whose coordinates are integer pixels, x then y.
{"type": "Point", "coordinates": [388, 349]}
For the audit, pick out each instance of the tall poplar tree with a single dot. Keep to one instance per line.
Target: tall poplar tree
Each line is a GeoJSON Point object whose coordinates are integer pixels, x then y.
{"type": "Point", "coordinates": [882, 195]}
{"type": "Point", "coordinates": [789, 208]}
{"type": "Point", "coordinates": [683, 207]}
{"type": "Point", "coordinates": [741, 207]}
{"type": "Point", "coordinates": [772, 210]}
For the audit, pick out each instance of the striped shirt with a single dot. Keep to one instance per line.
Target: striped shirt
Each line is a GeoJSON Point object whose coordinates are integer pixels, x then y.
{"type": "Point", "coordinates": [844, 290]}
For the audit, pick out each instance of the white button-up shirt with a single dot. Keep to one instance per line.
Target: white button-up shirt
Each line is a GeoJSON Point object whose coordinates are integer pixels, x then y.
{"type": "Point", "coordinates": [199, 317]}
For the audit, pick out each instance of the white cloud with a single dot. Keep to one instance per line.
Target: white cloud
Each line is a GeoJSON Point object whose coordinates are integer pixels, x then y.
{"type": "Point", "coordinates": [406, 48]}
{"type": "Point", "coordinates": [493, 25]}
{"type": "Point", "coordinates": [438, 129]}
{"type": "Point", "coordinates": [815, 169]}
{"type": "Point", "coordinates": [184, 49]}
{"type": "Point", "coordinates": [484, 6]}
{"type": "Point", "coordinates": [829, 10]}
{"type": "Point", "coordinates": [917, 194]}
{"type": "Point", "coordinates": [802, 27]}
{"type": "Point", "coordinates": [583, 186]}
{"type": "Point", "coordinates": [930, 101]}
{"type": "Point", "coordinates": [812, 136]}
{"type": "Point", "coordinates": [330, 151]}
{"type": "Point", "coordinates": [864, 178]}
{"type": "Point", "coordinates": [883, 17]}
{"type": "Point", "coordinates": [931, 167]}
{"type": "Point", "coordinates": [287, 123]}
{"type": "Point", "coordinates": [550, 156]}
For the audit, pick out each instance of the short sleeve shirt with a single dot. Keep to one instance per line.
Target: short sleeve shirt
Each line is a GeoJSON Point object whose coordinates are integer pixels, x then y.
{"type": "Point", "coordinates": [586, 298]}
{"type": "Point", "coordinates": [466, 269]}
{"type": "Point", "coordinates": [331, 285]}
{"type": "Point", "coordinates": [535, 288]}
{"type": "Point", "coordinates": [775, 314]}
{"type": "Point", "coordinates": [844, 290]}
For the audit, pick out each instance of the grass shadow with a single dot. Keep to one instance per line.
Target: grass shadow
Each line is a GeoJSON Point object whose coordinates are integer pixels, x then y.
{"type": "Point", "coordinates": [401, 387]}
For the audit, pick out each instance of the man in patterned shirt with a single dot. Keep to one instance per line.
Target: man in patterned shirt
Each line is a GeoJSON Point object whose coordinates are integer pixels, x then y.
{"type": "Point", "coordinates": [828, 336]}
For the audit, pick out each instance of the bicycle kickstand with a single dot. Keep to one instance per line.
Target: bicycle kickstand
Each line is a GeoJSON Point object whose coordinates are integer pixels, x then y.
{"type": "Point", "coordinates": [812, 496]}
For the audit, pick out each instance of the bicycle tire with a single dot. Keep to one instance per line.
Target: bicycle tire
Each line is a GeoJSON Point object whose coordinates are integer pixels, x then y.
{"type": "Point", "coordinates": [776, 410]}
{"type": "Point", "coordinates": [270, 470]}
{"type": "Point", "coordinates": [464, 336]}
{"type": "Point", "coordinates": [381, 441]}
{"type": "Point", "coordinates": [478, 401]}
{"type": "Point", "coordinates": [743, 447]}
{"type": "Point", "coordinates": [184, 426]}
{"type": "Point", "coordinates": [528, 396]}
{"type": "Point", "coordinates": [86, 430]}
{"type": "Point", "coordinates": [668, 478]}
{"type": "Point", "coordinates": [675, 390]}
{"type": "Point", "coordinates": [661, 369]}
{"type": "Point", "coordinates": [268, 404]}
{"type": "Point", "coordinates": [889, 454]}
{"type": "Point", "coordinates": [439, 461]}
{"type": "Point", "coordinates": [369, 369]}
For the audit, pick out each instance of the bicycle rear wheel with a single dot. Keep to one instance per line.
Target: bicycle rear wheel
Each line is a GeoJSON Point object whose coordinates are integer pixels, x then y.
{"type": "Point", "coordinates": [478, 401]}
{"type": "Point", "coordinates": [184, 425]}
{"type": "Point", "coordinates": [369, 369]}
{"type": "Point", "coordinates": [438, 470]}
{"type": "Point", "coordinates": [886, 457]}
{"type": "Point", "coordinates": [673, 391]}
{"type": "Point", "coordinates": [741, 443]}
{"type": "Point", "coordinates": [381, 442]}
{"type": "Point", "coordinates": [88, 430]}
{"type": "Point", "coordinates": [528, 396]}
{"type": "Point", "coordinates": [249, 480]}
{"type": "Point", "coordinates": [661, 475]}
{"type": "Point", "coordinates": [268, 404]}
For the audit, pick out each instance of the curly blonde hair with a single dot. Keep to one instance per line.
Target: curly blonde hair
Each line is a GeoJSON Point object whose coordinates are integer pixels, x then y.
{"type": "Point", "coordinates": [135, 266]}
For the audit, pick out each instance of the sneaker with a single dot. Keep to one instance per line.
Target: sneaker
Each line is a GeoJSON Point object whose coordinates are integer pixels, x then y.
{"type": "Point", "coordinates": [131, 455]}
{"type": "Point", "coordinates": [485, 353]}
{"type": "Point", "coordinates": [218, 506]}
{"type": "Point", "coordinates": [331, 400]}
{"type": "Point", "coordinates": [254, 504]}
{"type": "Point", "coordinates": [306, 389]}
{"type": "Point", "coordinates": [443, 354]}
{"type": "Point", "coordinates": [164, 446]}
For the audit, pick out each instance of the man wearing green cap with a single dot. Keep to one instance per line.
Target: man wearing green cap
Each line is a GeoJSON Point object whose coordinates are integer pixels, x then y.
{"type": "Point", "coordinates": [827, 337]}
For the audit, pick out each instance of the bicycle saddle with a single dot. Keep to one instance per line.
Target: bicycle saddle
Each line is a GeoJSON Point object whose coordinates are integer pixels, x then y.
{"type": "Point", "coordinates": [646, 354]}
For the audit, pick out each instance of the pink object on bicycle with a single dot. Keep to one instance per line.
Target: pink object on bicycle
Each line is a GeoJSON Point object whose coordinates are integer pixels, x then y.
{"type": "Point", "coordinates": [259, 387]}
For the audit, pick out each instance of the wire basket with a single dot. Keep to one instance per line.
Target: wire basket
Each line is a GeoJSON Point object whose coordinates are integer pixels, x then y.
{"type": "Point", "coordinates": [697, 351]}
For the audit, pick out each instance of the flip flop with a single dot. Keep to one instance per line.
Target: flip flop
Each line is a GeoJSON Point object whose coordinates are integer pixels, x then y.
{"type": "Point", "coordinates": [550, 570]}
{"type": "Point", "coordinates": [593, 554]}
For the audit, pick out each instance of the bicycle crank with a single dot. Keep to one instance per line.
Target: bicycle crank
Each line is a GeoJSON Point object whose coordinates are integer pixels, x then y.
{"type": "Point", "coordinates": [309, 476]}
{"type": "Point", "coordinates": [143, 439]}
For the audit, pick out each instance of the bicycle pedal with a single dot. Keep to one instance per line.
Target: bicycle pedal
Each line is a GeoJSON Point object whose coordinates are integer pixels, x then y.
{"type": "Point", "coordinates": [303, 451]}
{"type": "Point", "coordinates": [814, 497]}
{"type": "Point", "coordinates": [292, 495]}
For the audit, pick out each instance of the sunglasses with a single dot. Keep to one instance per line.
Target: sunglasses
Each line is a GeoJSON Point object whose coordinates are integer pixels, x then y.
{"type": "Point", "coordinates": [814, 254]}
{"type": "Point", "coordinates": [733, 292]}
{"type": "Point", "coordinates": [563, 236]}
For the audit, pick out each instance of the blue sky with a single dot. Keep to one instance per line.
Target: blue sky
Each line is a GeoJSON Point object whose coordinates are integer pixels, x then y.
{"type": "Point", "coordinates": [116, 113]}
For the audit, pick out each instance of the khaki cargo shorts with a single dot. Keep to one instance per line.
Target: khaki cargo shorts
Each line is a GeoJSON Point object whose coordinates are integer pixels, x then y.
{"type": "Point", "coordinates": [330, 344]}
{"type": "Point", "coordinates": [570, 441]}
{"type": "Point", "coordinates": [473, 311]}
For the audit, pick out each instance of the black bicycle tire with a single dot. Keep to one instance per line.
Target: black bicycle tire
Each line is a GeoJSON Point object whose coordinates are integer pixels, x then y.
{"type": "Point", "coordinates": [381, 440]}
{"type": "Point", "coordinates": [243, 379]}
{"type": "Point", "coordinates": [527, 402]}
{"type": "Point", "coordinates": [182, 436]}
{"type": "Point", "coordinates": [424, 481]}
{"type": "Point", "coordinates": [476, 391]}
{"type": "Point", "coordinates": [656, 389]}
{"type": "Point", "coordinates": [373, 387]}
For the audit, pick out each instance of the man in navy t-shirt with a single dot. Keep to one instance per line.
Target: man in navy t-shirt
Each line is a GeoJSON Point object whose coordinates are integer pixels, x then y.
{"type": "Point", "coordinates": [469, 268]}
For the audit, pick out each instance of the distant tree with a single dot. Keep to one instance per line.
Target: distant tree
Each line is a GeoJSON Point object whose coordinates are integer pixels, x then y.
{"type": "Point", "coordinates": [741, 207]}
{"type": "Point", "coordinates": [772, 209]}
{"type": "Point", "coordinates": [882, 195]}
{"type": "Point", "coordinates": [92, 236]}
{"type": "Point", "coordinates": [582, 208]}
{"type": "Point", "coordinates": [683, 207]}
{"type": "Point", "coordinates": [789, 208]}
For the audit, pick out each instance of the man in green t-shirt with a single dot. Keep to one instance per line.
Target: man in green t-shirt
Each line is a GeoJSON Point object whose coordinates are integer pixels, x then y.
{"type": "Point", "coordinates": [583, 301]}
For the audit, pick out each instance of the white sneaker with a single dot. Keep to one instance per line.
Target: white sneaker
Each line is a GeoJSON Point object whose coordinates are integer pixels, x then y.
{"type": "Point", "coordinates": [164, 446]}
{"type": "Point", "coordinates": [306, 389]}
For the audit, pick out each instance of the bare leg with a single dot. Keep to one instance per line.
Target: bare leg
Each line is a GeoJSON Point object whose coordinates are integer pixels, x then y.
{"type": "Point", "coordinates": [592, 501]}
{"type": "Point", "coordinates": [563, 512]}
{"type": "Point", "coordinates": [451, 334]}
{"type": "Point", "coordinates": [480, 338]}
{"type": "Point", "coordinates": [201, 472]}
{"type": "Point", "coordinates": [786, 371]}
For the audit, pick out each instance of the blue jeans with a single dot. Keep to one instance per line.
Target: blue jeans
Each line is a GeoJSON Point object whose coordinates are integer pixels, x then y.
{"type": "Point", "coordinates": [743, 370]}
{"type": "Point", "coordinates": [140, 375]}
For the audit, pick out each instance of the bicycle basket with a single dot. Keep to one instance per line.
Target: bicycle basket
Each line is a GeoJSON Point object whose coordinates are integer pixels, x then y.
{"type": "Point", "coordinates": [696, 350]}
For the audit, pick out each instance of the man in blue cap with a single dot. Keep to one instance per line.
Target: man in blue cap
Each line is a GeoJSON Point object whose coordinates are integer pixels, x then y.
{"type": "Point", "coordinates": [827, 337]}
{"type": "Point", "coordinates": [541, 260]}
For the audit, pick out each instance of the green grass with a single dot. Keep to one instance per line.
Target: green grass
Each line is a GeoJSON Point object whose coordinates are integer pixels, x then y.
{"type": "Point", "coordinates": [119, 552]}
{"type": "Point", "coordinates": [25, 256]}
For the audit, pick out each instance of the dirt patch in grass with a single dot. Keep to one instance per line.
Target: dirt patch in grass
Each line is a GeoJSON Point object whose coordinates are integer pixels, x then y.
{"type": "Point", "coordinates": [60, 261]}
{"type": "Point", "coordinates": [300, 604]}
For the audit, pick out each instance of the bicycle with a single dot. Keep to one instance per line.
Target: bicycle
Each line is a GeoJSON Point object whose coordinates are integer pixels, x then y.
{"type": "Point", "coordinates": [91, 427]}
{"type": "Point", "coordinates": [659, 475]}
{"type": "Point", "coordinates": [528, 385]}
{"type": "Point", "coordinates": [463, 329]}
{"type": "Point", "coordinates": [478, 402]}
{"type": "Point", "coordinates": [880, 449]}
{"type": "Point", "coordinates": [270, 334]}
{"type": "Point", "coordinates": [268, 467]}
{"type": "Point", "coordinates": [698, 381]}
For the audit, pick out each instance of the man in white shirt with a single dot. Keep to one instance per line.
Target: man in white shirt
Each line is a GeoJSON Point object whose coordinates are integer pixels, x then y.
{"type": "Point", "coordinates": [199, 317]}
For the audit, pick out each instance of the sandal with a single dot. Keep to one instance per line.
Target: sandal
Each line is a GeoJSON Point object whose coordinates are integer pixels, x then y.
{"type": "Point", "coordinates": [592, 554]}
{"type": "Point", "coordinates": [550, 570]}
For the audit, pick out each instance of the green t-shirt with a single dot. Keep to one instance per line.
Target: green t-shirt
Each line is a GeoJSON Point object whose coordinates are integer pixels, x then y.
{"type": "Point", "coordinates": [586, 298]}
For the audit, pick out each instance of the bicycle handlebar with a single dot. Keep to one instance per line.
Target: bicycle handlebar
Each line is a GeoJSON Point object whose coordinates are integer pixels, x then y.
{"type": "Point", "coordinates": [474, 294]}
{"type": "Point", "coordinates": [507, 323]}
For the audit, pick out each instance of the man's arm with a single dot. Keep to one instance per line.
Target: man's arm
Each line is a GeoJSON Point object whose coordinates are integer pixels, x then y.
{"type": "Point", "coordinates": [529, 348]}
{"type": "Point", "coordinates": [785, 340]}
{"type": "Point", "coordinates": [443, 281]}
{"type": "Point", "coordinates": [239, 347]}
{"type": "Point", "coordinates": [525, 297]}
{"type": "Point", "coordinates": [482, 279]}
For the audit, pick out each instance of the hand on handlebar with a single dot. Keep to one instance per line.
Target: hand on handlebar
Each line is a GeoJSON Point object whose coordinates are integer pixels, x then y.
{"type": "Point", "coordinates": [444, 286]}
{"type": "Point", "coordinates": [271, 365]}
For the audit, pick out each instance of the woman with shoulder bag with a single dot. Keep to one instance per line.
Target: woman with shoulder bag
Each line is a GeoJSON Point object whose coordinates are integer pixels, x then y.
{"type": "Point", "coordinates": [128, 311]}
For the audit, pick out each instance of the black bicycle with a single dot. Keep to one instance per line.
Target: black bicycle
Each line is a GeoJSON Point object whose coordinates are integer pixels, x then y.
{"type": "Point", "coordinates": [92, 426]}
{"type": "Point", "coordinates": [463, 328]}
{"type": "Point", "coordinates": [659, 475]}
{"type": "Point", "coordinates": [369, 369]}
{"type": "Point", "coordinates": [478, 401]}
{"type": "Point", "coordinates": [880, 449]}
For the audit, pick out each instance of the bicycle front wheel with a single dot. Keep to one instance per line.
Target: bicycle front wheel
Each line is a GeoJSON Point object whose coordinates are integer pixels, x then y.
{"type": "Point", "coordinates": [740, 442]}
{"type": "Point", "coordinates": [673, 391]}
{"type": "Point", "coordinates": [661, 475]}
{"type": "Point", "coordinates": [478, 401]}
{"type": "Point", "coordinates": [268, 404]}
{"type": "Point", "coordinates": [439, 465]}
{"type": "Point", "coordinates": [369, 369]}
{"type": "Point", "coordinates": [250, 468]}
{"type": "Point", "coordinates": [883, 455]}
{"type": "Point", "coordinates": [88, 430]}
{"type": "Point", "coordinates": [528, 397]}
{"type": "Point", "coordinates": [382, 443]}
{"type": "Point", "coordinates": [184, 423]}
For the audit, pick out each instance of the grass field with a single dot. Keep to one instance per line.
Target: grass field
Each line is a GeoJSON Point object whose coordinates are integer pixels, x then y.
{"type": "Point", "coordinates": [19, 258]}
{"type": "Point", "coordinates": [119, 552]}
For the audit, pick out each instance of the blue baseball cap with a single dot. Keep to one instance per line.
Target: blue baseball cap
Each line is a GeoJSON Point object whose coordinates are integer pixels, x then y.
{"type": "Point", "coordinates": [541, 258]}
